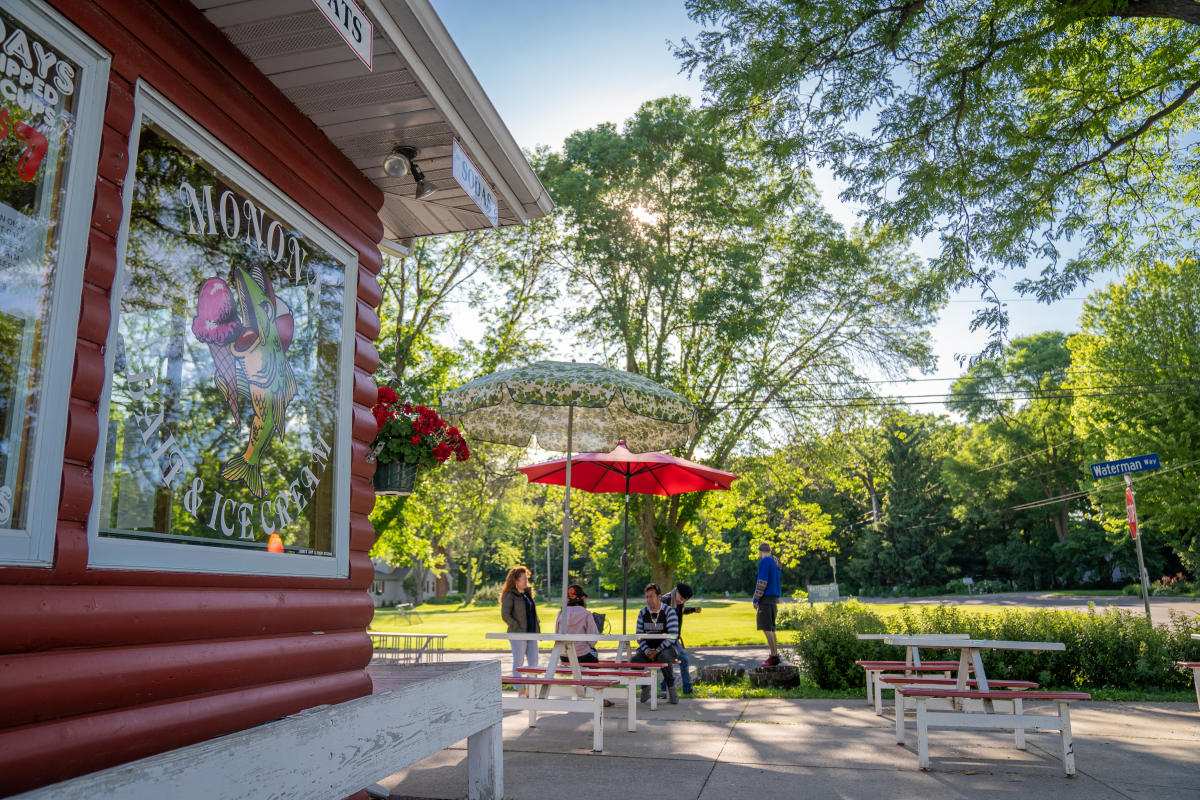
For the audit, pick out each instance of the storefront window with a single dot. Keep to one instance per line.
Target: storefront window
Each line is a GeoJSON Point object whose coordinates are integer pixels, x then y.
{"type": "Point", "coordinates": [228, 369]}
{"type": "Point", "coordinates": [50, 111]}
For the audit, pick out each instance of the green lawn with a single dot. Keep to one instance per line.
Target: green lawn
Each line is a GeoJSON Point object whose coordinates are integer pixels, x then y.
{"type": "Point", "coordinates": [721, 622]}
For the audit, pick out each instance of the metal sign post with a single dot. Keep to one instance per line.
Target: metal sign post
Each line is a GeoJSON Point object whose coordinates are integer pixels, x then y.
{"type": "Point", "coordinates": [1131, 514]}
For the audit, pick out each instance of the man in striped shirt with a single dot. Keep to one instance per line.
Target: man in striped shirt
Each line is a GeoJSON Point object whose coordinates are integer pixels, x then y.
{"type": "Point", "coordinates": [658, 617]}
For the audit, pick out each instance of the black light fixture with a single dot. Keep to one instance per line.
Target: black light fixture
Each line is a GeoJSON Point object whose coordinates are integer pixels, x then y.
{"type": "Point", "coordinates": [402, 161]}
{"type": "Point", "coordinates": [425, 188]}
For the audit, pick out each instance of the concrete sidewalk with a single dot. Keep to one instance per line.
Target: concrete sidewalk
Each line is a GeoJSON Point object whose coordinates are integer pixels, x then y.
{"type": "Point", "coordinates": [718, 749]}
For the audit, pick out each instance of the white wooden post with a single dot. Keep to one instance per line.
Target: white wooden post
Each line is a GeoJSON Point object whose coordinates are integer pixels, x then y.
{"type": "Point", "coordinates": [485, 764]}
{"type": "Point", "coordinates": [1068, 747]}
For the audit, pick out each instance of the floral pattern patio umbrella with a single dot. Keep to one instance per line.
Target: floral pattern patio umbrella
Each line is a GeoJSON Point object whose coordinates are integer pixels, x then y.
{"type": "Point", "coordinates": [570, 407]}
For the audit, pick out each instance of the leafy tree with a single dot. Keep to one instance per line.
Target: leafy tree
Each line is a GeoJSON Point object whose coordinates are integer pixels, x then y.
{"type": "Point", "coordinates": [911, 544]}
{"type": "Point", "coordinates": [1022, 448]}
{"type": "Point", "coordinates": [692, 260]}
{"type": "Point", "coordinates": [1007, 127]}
{"type": "Point", "coordinates": [1135, 392]}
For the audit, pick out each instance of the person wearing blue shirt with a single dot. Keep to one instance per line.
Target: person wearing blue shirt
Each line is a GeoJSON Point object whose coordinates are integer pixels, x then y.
{"type": "Point", "coordinates": [766, 598]}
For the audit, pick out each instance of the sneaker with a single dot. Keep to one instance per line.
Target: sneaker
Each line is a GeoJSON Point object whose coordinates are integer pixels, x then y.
{"type": "Point", "coordinates": [671, 696]}
{"type": "Point", "coordinates": [772, 661]}
{"type": "Point", "coordinates": [645, 694]}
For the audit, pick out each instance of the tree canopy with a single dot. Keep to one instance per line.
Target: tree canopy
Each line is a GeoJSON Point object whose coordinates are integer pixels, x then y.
{"type": "Point", "coordinates": [1057, 134]}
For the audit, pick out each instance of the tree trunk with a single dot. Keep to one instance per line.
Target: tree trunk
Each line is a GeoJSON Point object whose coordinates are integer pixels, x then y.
{"type": "Point", "coordinates": [647, 524]}
{"type": "Point", "coordinates": [469, 589]}
{"type": "Point", "coordinates": [1061, 519]}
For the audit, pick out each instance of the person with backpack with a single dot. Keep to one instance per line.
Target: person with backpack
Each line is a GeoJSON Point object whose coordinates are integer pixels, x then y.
{"type": "Point", "coordinates": [657, 617]}
{"type": "Point", "coordinates": [766, 598]}
{"type": "Point", "coordinates": [677, 599]}
{"type": "Point", "coordinates": [576, 618]}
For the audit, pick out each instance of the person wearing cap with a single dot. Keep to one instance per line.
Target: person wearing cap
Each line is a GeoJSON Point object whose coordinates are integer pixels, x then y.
{"type": "Point", "coordinates": [766, 598]}
{"type": "Point", "coordinates": [657, 617]}
{"type": "Point", "coordinates": [575, 618]}
{"type": "Point", "coordinates": [677, 599]}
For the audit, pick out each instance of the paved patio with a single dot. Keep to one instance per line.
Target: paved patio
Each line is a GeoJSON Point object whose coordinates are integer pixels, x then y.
{"type": "Point", "coordinates": [718, 749]}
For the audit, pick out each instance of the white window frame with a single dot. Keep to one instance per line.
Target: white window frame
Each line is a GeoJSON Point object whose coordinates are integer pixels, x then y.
{"type": "Point", "coordinates": [33, 545]}
{"type": "Point", "coordinates": [121, 553]}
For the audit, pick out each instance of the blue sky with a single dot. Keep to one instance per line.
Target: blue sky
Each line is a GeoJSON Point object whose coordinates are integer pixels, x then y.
{"type": "Point", "coordinates": [552, 67]}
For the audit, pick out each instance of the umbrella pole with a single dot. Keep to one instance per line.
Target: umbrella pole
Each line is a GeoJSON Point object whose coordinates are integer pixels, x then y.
{"type": "Point", "coordinates": [567, 505]}
{"type": "Point", "coordinates": [625, 562]}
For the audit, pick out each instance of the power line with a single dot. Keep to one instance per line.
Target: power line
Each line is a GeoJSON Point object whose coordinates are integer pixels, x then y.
{"type": "Point", "coordinates": [1105, 487]}
{"type": "Point", "coordinates": [1133, 390]}
{"type": "Point", "coordinates": [1072, 441]}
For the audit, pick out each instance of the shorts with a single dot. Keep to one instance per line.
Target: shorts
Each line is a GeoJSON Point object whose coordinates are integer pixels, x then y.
{"type": "Point", "coordinates": [768, 609]}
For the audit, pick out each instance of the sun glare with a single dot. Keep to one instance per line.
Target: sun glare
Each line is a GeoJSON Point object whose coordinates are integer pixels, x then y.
{"type": "Point", "coordinates": [644, 215]}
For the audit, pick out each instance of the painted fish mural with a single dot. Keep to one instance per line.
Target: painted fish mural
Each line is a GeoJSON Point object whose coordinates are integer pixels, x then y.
{"type": "Point", "coordinates": [248, 340]}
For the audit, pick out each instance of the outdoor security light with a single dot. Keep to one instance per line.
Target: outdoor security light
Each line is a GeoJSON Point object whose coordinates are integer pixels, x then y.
{"type": "Point", "coordinates": [399, 162]}
{"type": "Point", "coordinates": [425, 188]}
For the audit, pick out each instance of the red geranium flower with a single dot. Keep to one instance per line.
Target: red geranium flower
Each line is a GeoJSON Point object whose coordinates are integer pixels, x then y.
{"type": "Point", "coordinates": [387, 395]}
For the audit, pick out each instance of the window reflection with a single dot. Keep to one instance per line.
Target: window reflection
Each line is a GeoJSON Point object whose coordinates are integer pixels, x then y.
{"type": "Point", "coordinates": [224, 390]}
{"type": "Point", "coordinates": [38, 104]}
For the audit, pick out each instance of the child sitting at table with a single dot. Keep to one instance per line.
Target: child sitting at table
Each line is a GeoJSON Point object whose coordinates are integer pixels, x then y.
{"type": "Point", "coordinates": [575, 618]}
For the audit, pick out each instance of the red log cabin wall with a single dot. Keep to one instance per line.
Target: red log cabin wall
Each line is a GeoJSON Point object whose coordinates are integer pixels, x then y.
{"type": "Point", "coordinates": [102, 666]}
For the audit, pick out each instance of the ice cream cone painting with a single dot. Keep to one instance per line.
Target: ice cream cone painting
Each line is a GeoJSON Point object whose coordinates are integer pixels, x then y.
{"type": "Point", "coordinates": [248, 330]}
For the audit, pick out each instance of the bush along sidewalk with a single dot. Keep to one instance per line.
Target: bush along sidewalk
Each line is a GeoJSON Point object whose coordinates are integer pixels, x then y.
{"type": "Point", "coordinates": [1114, 649]}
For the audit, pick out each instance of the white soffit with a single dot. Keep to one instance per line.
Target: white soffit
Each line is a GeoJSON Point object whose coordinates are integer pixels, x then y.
{"type": "Point", "coordinates": [421, 93]}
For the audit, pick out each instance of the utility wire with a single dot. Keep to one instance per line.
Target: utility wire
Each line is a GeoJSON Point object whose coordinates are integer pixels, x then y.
{"type": "Point", "coordinates": [1105, 487]}
{"type": "Point", "coordinates": [1072, 441]}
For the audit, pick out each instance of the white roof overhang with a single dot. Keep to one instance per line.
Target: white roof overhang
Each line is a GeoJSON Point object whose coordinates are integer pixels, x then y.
{"type": "Point", "coordinates": [421, 94]}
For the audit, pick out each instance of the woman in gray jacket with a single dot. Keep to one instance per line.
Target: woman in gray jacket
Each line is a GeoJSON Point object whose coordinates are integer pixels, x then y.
{"type": "Point", "coordinates": [520, 614]}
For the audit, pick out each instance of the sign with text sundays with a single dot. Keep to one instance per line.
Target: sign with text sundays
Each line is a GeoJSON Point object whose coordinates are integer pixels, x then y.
{"type": "Point", "coordinates": [224, 401]}
{"type": "Point", "coordinates": [38, 104]}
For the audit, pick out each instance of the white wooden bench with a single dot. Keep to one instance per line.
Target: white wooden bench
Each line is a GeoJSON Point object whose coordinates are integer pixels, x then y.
{"type": "Point", "coordinates": [593, 701]}
{"type": "Point", "coordinates": [878, 669]}
{"type": "Point", "coordinates": [1018, 720]}
{"type": "Point", "coordinates": [912, 660]}
{"type": "Point", "coordinates": [1194, 666]}
{"type": "Point", "coordinates": [329, 751]}
{"type": "Point", "coordinates": [652, 681]}
{"type": "Point", "coordinates": [918, 682]}
{"type": "Point", "coordinates": [627, 683]}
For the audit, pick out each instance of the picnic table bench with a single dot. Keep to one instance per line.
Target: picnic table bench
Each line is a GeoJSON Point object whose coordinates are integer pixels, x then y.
{"type": "Point", "coordinates": [593, 702]}
{"type": "Point", "coordinates": [626, 681]}
{"type": "Point", "coordinates": [990, 717]}
{"type": "Point", "coordinates": [1194, 666]}
{"type": "Point", "coordinates": [581, 684]}
{"type": "Point", "coordinates": [912, 662]}
{"type": "Point", "coordinates": [1018, 720]}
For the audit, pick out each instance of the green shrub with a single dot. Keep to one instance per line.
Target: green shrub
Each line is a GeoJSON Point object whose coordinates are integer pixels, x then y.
{"type": "Point", "coordinates": [1116, 649]}
{"type": "Point", "coordinates": [455, 599]}
{"type": "Point", "coordinates": [488, 594]}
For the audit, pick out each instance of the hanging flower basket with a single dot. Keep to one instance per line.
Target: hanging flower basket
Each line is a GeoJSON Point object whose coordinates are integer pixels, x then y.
{"type": "Point", "coordinates": [410, 438]}
{"type": "Point", "coordinates": [395, 478]}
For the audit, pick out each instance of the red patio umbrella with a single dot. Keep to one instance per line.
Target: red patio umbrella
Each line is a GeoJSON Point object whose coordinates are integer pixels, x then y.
{"type": "Point", "coordinates": [629, 473]}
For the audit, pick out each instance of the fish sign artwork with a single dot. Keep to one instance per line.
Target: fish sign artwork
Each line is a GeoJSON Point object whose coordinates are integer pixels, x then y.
{"type": "Point", "coordinates": [227, 363]}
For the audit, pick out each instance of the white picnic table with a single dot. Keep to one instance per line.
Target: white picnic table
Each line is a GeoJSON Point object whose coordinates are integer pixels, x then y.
{"type": "Point", "coordinates": [970, 658]}
{"type": "Point", "coordinates": [912, 654]}
{"type": "Point", "coordinates": [624, 652]}
{"type": "Point", "coordinates": [559, 649]}
{"type": "Point", "coordinates": [971, 661]}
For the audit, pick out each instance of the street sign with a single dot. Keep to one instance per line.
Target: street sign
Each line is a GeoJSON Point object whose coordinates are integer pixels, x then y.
{"type": "Point", "coordinates": [353, 25]}
{"type": "Point", "coordinates": [472, 182]}
{"type": "Point", "coordinates": [1123, 466]}
{"type": "Point", "coordinates": [1131, 512]}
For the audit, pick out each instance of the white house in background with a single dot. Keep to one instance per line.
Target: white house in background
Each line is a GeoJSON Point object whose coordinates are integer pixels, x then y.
{"type": "Point", "coordinates": [389, 587]}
